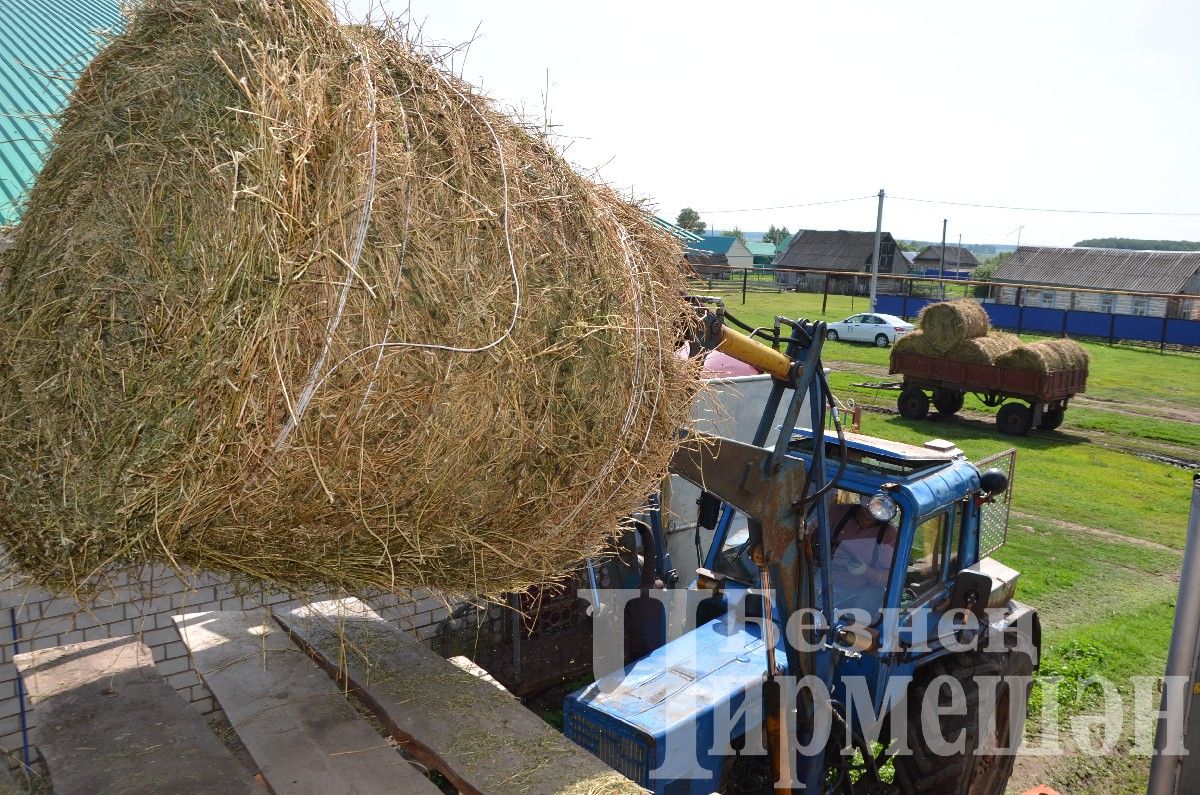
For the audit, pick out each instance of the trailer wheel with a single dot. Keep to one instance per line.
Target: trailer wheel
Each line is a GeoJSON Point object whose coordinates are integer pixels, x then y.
{"type": "Point", "coordinates": [913, 404]}
{"type": "Point", "coordinates": [987, 727]}
{"type": "Point", "coordinates": [1014, 419]}
{"type": "Point", "coordinates": [1052, 419]}
{"type": "Point", "coordinates": [948, 401]}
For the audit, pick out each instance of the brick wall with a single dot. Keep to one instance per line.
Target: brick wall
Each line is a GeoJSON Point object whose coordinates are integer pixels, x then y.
{"type": "Point", "coordinates": [145, 609]}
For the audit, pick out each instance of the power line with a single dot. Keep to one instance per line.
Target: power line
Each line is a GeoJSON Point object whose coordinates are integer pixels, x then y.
{"type": "Point", "coordinates": [1043, 209]}
{"type": "Point", "coordinates": [783, 206]}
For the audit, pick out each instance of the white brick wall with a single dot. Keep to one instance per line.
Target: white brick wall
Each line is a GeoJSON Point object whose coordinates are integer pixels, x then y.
{"type": "Point", "coordinates": [145, 609]}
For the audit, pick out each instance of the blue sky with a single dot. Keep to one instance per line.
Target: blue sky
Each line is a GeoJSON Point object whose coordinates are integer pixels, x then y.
{"type": "Point", "coordinates": [1063, 104]}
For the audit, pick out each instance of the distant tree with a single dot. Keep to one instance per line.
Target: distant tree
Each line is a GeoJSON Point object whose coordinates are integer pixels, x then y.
{"type": "Point", "coordinates": [689, 219]}
{"type": "Point", "coordinates": [984, 271]}
{"type": "Point", "coordinates": [1139, 244]}
{"type": "Point", "coordinates": [909, 245]}
{"type": "Point", "coordinates": [776, 234]}
{"type": "Point", "coordinates": [735, 232]}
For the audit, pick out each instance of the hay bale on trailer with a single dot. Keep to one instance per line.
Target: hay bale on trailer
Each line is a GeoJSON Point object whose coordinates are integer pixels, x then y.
{"type": "Point", "coordinates": [1038, 357]}
{"type": "Point", "coordinates": [947, 323]}
{"type": "Point", "coordinates": [984, 350]}
{"type": "Point", "coordinates": [913, 342]}
{"type": "Point", "coordinates": [290, 300]}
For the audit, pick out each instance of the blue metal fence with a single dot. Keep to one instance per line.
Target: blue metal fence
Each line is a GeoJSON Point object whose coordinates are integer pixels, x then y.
{"type": "Point", "coordinates": [1076, 322]}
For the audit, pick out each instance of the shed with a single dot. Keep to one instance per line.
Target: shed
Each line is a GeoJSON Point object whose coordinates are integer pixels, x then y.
{"type": "Point", "coordinates": [1118, 274]}
{"type": "Point", "coordinates": [44, 45]}
{"type": "Point", "coordinates": [841, 250]}
{"type": "Point", "coordinates": [763, 253]}
{"type": "Point", "coordinates": [959, 262]}
{"type": "Point", "coordinates": [716, 255]}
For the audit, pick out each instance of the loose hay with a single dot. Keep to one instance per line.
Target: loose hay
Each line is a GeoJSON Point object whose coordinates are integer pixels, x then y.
{"type": "Point", "coordinates": [947, 323]}
{"type": "Point", "coordinates": [1046, 356]}
{"type": "Point", "coordinates": [984, 350]}
{"type": "Point", "coordinates": [291, 301]}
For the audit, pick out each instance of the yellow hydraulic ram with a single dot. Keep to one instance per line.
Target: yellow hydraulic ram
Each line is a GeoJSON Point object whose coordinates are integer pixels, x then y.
{"type": "Point", "coordinates": [754, 353]}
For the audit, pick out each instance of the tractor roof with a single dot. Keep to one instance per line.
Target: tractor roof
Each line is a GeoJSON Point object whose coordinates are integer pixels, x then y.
{"type": "Point", "coordinates": [894, 458]}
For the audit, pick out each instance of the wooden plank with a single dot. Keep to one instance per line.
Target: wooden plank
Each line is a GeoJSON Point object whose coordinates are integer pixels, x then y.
{"type": "Point", "coordinates": [293, 719]}
{"type": "Point", "coordinates": [107, 722]}
{"type": "Point", "coordinates": [481, 738]}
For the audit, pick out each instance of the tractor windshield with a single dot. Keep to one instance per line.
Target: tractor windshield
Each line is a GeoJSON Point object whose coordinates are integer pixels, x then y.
{"type": "Point", "coordinates": [863, 550]}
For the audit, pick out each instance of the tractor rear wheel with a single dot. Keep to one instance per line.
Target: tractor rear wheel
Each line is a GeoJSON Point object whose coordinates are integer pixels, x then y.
{"type": "Point", "coordinates": [913, 404]}
{"type": "Point", "coordinates": [1014, 419]}
{"type": "Point", "coordinates": [993, 728]}
{"type": "Point", "coordinates": [1052, 419]}
{"type": "Point", "coordinates": [948, 401]}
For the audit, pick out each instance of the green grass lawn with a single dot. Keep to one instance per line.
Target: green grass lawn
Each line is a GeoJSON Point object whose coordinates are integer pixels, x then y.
{"type": "Point", "coordinates": [1107, 604]}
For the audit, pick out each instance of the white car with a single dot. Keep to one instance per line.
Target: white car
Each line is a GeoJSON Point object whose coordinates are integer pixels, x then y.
{"type": "Point", "coordinates": [870, 327]}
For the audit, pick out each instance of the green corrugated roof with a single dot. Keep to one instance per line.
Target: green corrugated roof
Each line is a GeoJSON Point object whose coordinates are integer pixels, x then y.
{"type": "Point", "coordinates": [683, 234]}
{"type": "Point", "coordinates": [761, 249]}
{"type": "Point", "coordinates": [44, 45]}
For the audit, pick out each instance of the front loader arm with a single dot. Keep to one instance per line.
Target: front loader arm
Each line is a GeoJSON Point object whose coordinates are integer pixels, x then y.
{"type": "Point", "coordinates": [774, 490]}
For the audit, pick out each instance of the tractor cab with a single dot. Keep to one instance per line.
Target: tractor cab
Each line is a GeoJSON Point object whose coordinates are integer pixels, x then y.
{"type": "Point", "coordinates": [905, 522]}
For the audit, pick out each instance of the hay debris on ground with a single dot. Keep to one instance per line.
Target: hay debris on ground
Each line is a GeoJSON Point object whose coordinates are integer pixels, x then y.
{"type": "Point", "coordinates": [947, 323]}
{"type": "Point", "coordinates": [984, 350]}
{"type": "Point", "coordinates": [1046, 356]}
{"type": "Point", "coordinates": [290, 300]}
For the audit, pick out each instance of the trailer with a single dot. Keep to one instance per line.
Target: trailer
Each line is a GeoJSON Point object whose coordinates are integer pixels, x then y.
{"type": "Point", "coordinates": [1026, 397]}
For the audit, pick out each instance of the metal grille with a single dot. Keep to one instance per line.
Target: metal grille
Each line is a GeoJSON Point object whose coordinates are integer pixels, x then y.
{"type": "Point", "coordinates": [993, 516]}
{"type": "Point", "coordinates": [628, 754]}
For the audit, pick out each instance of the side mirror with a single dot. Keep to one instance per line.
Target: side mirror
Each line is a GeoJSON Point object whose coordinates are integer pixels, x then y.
{"type": "Point", "coordinates": [972, 591]}
{"type": "Point", "coordinates": [993, 482]}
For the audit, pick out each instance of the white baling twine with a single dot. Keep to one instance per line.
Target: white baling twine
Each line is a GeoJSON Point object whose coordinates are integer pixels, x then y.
{"type": "Point", "coordinates": [512, 264]}
{"type": "Point", "coordinates": [359, 242]}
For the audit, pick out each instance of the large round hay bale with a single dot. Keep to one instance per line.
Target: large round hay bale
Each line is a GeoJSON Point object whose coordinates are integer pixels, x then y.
{"type": "Point", "coordinates": [1045, 357]}
{"type": "Point", "coordinates": [291, 301]}
{"type": "Point", "coordinates": [913, 342]}
{"type": "Point", "coordinates": [1074, 355]}
{"type": "Point", "coordinates": [984, 350]}
{"type": "Point", "coordinates": [947, 323]}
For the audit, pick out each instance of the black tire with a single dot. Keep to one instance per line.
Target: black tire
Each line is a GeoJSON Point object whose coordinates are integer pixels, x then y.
{"type": "Point", "coordinates": [1015, 419]}
{"type": "Point", "coordinates": [1052, 419]}
{"type": "Point", "coordinates": [882, 341]}
{"type": "Point", "coordinates": [948, 401]}
{"type": "Point", "coordinates": [831, 335]}
{"type": "Point", "coordinates": [966, 773]}
{"type": "Point", "coordinates": [913, 404]}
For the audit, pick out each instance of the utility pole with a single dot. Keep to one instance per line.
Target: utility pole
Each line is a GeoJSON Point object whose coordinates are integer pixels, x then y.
{"type": "Point", "coordinates": [942, 260]}
{"type": "Point", "coordinates": [875, 256]}
{"type": "Point", "coordinates": [1020, 229]}
{"type": "Point", "coordinates": [957, 262]}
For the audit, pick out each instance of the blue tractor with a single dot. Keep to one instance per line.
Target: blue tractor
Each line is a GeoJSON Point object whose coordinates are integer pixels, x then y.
{"type": "Point", "coordinates": [881, 551]}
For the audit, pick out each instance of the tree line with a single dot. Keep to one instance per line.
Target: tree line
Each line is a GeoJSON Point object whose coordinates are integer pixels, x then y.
{"type": "Point", "coordinates": [1138, 244]}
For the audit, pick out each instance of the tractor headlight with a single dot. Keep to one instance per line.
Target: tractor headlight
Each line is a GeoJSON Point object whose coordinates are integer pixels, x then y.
{"type": "Point", "coordinates": [882, 507]}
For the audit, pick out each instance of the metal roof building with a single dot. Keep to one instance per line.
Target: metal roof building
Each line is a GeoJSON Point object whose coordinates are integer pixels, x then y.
{"type": "Point", "coordinates": [44, 45]}
{"type": "Point", "coordinates": [930, 257]}
{"type": "Point", "coordinates": [1103, 268]}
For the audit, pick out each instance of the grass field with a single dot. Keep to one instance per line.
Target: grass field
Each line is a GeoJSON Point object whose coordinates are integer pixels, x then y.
{"type": "Point", "coordinates": [1100, 517]}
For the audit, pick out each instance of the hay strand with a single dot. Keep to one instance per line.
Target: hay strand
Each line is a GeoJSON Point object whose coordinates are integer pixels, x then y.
{"type": "Point", "coordinates": [291, 301]}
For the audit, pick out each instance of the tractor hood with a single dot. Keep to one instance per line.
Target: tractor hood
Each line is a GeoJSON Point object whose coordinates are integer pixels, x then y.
{"type": "Point", "coordinates": [703, 670]}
